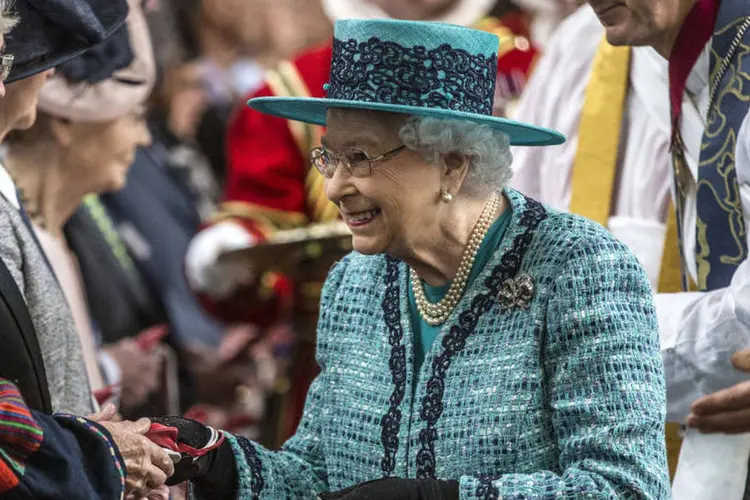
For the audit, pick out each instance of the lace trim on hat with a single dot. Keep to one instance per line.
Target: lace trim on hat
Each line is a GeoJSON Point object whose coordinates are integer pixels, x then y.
{"type": "Point", "coordinates": [386, 72]}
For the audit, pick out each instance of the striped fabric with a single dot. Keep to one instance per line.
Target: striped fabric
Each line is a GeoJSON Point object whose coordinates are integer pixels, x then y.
{"type": "Point", "coordinates": [111, 447]}
{"type": "Point", "coordinates": [20, 436]}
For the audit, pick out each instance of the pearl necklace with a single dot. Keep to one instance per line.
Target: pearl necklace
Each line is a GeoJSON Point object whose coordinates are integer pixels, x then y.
{"type": "Point", "coordinates": [437, 313]}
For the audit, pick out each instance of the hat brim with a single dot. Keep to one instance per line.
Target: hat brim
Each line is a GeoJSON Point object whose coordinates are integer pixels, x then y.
{"type": "Point", "coordinates": [314, 110]}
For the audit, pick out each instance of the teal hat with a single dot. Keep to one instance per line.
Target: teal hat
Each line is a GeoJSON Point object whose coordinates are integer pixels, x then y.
{"type": "Point", "coordinates": [411, 67]}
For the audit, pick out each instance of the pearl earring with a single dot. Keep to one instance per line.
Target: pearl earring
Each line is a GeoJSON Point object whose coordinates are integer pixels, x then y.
{"type": "Point", "coordinates": [447, 197]}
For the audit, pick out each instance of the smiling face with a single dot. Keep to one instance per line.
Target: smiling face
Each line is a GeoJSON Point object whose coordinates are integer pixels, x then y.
{"type": "Point", "coordinates": [395, 206]}
{"type": "Point", "coordinates": [642, 22]}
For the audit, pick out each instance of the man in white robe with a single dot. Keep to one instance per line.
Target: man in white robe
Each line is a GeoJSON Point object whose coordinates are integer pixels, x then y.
{"type": "Point", "coordinates": [699, 330]}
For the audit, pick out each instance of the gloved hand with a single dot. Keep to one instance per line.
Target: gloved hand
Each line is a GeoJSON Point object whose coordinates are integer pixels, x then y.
{"type": "Point", "coordinates": [398, 489]}
{"type": "Point", "coordinates": [206, 458]}
{"type": "Point", "coordinates": [205, 272]}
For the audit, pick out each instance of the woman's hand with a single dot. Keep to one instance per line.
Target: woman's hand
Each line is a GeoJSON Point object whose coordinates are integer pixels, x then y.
{"type": "Point", "coordinates": [219, 373]}
{"type": "Point", "coordinates": [140, 370]}
{"type": "Point", "coordinates": [398, 489]}
{"type": "Point", "coordinates": [147, 466]}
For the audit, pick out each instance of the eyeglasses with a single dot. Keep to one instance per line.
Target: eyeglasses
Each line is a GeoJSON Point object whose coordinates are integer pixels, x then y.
{"type": "Point", "coordinates": [355, 160]}
{"type": "Point", "coordinates": [6, 64]}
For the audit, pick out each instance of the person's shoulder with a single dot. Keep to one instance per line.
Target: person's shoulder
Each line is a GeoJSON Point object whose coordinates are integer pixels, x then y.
{"type": "Point", "coordinates": [311, 67]}
{"type": "Point", "coordinates": [315, 61]}
{"type": "Point", "coordinates": [10, 222]}
{"type": "Point", "coordinates": [357, 270]}
{"type": "Point", "coordinates": [565, 246]}
{"type": "Point", "coordinates": [582, 247]}
{"type": "Point", "coordinates": [575, 226]}
{"type": "Point", "coordinates": [566, 232]}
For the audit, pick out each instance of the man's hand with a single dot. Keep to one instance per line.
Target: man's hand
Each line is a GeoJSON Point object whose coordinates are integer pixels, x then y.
{"type": "Point", "coordinates": [147, 465]}
{"type": "Point", "coordinates": [726, 411]}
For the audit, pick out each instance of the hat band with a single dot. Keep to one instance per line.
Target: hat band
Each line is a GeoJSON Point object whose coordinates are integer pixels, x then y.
{"type": "Point", "coordinates": [385, 72]}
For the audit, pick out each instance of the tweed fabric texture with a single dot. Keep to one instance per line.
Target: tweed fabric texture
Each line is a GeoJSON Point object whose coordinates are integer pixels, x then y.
{"type": "Point", "coordinates": [563, 399]}
{"type": "Point", "coordinates": [50, 314]}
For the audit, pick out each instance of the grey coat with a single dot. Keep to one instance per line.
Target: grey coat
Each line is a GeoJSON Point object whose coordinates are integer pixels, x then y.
{"type": "Point", "coordinates": [58, 340]}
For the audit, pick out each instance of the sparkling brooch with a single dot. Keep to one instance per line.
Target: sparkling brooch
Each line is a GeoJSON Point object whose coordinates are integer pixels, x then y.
{"type": "Point", "coordinates": [516, 292]}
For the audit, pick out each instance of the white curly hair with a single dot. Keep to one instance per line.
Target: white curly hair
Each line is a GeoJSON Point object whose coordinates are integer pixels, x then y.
{"type": "Point", "coordinates": [488, 149]}
{"type": "Point", "coordinates": [8, 20]}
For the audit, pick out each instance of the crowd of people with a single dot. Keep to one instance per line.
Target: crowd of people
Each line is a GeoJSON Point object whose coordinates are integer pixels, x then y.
{"type": "Point", "coordinates": [369, 249]}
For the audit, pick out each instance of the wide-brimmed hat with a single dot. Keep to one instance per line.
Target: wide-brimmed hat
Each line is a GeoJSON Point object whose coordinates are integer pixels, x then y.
{"type": "Point", "coordinates": [107, 81]}
{"type": "Point", "coordinates": [463, 13]}
{"type": "Point", "coordinates": [415, 68]}
{"type": "Point", "coordinates": [51, 32]}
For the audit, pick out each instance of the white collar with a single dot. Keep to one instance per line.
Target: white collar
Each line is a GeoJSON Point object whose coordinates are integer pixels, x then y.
{"type": "Point", "coordinates": [466, 13]}
{"type": "Point", "coordinates": [649, 78]}
{"type": "Point", "coordinates": [8, 188]}
{"type": "Point", "coordinates": [697, 80]}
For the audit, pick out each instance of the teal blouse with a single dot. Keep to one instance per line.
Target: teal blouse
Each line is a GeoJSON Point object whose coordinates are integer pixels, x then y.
{"type": "Point", "coordinates": [424, 334]}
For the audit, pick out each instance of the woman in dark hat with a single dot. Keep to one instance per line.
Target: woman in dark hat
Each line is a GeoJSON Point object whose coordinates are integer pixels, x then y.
{"type": "Point", "coordinates": [46, 357]}
{"type": "Point", "coordinates": [91, 121]}
{"type": "Point", "coordinates": [477, 344]}
{"type": "Point", "coordinates": [41, 351]}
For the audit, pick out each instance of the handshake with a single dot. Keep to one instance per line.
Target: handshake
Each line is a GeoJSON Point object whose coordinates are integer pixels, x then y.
{"type": "Point", "coordinates": [163, 451]}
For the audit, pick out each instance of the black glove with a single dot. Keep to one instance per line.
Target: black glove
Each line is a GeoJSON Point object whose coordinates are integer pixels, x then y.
{"type": "Point", "coordinates": [206, 459]}
{"type": "Point", "coordinates": [398, 489]}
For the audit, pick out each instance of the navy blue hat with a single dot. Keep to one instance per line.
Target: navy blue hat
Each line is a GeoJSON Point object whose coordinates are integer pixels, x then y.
{"type": "Point", "coordinates": [51, 32]}
{"type": "Point", "coordinates": [101, 61]}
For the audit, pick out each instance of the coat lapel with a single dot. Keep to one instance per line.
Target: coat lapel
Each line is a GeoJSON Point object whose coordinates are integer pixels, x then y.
{"type": "Point", "coordinates": [502, 270]}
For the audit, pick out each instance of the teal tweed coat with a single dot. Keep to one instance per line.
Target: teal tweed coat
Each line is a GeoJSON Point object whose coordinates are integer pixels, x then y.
{"type": "Point", "coordinates": [564, 398]}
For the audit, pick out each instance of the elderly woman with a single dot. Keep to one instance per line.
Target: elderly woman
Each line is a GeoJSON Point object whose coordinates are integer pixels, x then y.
{"type": "Point", "coordinates": [477, 344]}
